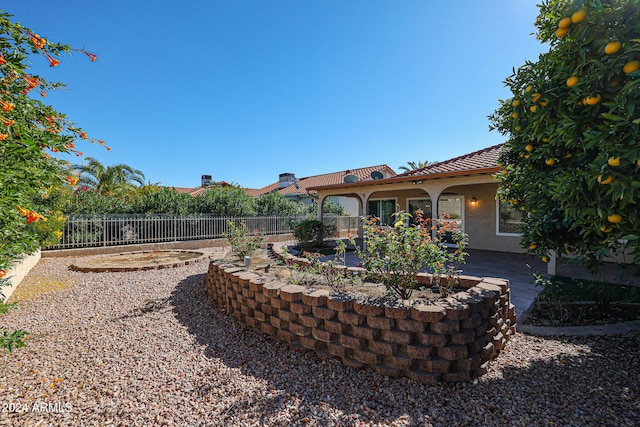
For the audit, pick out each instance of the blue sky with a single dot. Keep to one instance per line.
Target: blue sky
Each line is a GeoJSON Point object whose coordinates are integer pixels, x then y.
{"type": "Point", "coordinates": [244, 90]}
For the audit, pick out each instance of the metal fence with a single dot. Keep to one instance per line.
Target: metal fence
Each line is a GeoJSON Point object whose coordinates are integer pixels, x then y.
{"type": "Point", "coordinates": [83, 231]}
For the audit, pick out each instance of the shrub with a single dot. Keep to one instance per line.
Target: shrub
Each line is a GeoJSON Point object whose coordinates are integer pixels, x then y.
{"type": "Point", "coordinates": [395, 255]}
{"type": "Point", "coordinates": [242, 242]}
{"type": "Point", "coordinates": [310, 233]}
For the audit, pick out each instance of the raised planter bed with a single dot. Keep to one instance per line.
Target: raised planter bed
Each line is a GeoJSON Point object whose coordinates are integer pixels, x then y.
{"type": "Point", "coordinates": [448, 340]}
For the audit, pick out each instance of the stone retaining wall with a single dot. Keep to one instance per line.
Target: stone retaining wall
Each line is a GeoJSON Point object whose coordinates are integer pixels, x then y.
{"type": "Point", "coordinates": [449, 340]}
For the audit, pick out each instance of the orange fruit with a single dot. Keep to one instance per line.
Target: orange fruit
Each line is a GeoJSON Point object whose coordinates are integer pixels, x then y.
{"type": "Point", "coordinates": [612, 47]}
{"type": "Point", "coordinates": [514, 201]}
{"type": "Point", "coordinates": [533, 108]}
{"type": "Point", "coordinates": [564, 23]}
{"type": "Point", "coordinates": [545, 258]}
{"type": "Point", "coordinates": [614, 218]}
{"type": "Point", "coordinates": [605, 181]}
{"type": "Point", "coordinates": [533, 246]}
{"type": "Point", "coordinates": [562, 32]}
{"type": "Point", "coordinates": [545, 140]}
{"type": "Point", "coordinates": [606, 229]}
{"type": "Point", "coordinates": [536, 97]}
{"type": "Point", "coordinates": [516, 103]}
{"type": "Point", "coordinates": [578, 16]}
{"type": "Point", "coordinates": [630, 67]}
{"type": "Point", "coordinates": [514, 115]}
{"type": "Point", "coordinates": [550, 161]}
{"type": "Point", "coordinates": [528, 89]}
{"type": "Point", "coordinates": [572, 81]}
{"type": "Point", "coordinates": [614, 162]}
{"type": "Point", "coordinates": [526, 156]}
{"type": "Point", "coordinates": [592, 100]}
{"type": "Point", "coordinates": [544, 103]}
{"type": "Point", "coordinates": [529, 148]}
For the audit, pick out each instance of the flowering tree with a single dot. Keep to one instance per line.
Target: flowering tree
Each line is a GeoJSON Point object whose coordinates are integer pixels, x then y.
{"type": "Point", "coordinates": [572, 160]}
{"type": "Point", "coordinates": [34, 138]}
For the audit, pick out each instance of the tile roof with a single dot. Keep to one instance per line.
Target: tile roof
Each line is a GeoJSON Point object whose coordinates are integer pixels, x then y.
{"type": "Point", "coordinates": [196, 191]}
{"type": "Point", "coordinates": [303, 184]}
{"type": "Point", "coordinates": [481, 159]}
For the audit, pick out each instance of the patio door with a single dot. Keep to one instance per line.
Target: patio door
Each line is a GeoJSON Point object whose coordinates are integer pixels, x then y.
{"type": "Point", "coordinates": [451, 214]}
{"type": "Point", "coordinates": [423, 205]}
{"type": "Point", "coordinates": [383, 209]}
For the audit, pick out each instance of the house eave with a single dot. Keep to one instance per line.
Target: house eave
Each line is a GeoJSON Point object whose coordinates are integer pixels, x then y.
{"type": "Point", "coordinates": [401, 179]}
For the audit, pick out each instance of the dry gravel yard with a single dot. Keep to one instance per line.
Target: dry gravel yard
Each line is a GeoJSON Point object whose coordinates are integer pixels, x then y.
{"type": "Point", "coordinates": [149, 348]}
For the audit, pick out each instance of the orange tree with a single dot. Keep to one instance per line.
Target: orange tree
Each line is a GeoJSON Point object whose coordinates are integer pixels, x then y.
{"type": "Point", "coordinates": [34, 138]}
{"type": "Point", "coordinates": [572, 159]}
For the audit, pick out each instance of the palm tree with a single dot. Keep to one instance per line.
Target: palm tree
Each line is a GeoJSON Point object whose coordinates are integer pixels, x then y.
{"type": "Point", "coordinates": [108, 179]}
{"type": "Point", "coordinates": [411, 166]}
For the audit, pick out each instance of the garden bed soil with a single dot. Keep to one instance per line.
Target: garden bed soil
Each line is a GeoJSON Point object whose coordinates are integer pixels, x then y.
{"type": "Point", "coordinates": [584, 313]}
{"type": "Point", "coordinates": [262, 260]}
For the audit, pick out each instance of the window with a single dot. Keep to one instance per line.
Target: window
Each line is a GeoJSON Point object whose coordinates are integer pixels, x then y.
{"type": "Point", "coordinates": [383, 209]}
{"type": "Point", "coordinates": [509, 219]}
{"type": "Point", "coordinates": [419, 204]}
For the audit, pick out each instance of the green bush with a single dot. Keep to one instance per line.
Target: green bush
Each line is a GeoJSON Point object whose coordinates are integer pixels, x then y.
{"type": "Point", "coordinates": [310, 233]}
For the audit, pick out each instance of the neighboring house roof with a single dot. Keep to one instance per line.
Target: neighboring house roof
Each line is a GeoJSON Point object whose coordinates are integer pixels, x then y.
{"type": "Point", "coordinates": [196, 191]}
{"type": "Point", "coordinates": [303, 185]}
{"type": "Point", "coordinates": [479, 162]}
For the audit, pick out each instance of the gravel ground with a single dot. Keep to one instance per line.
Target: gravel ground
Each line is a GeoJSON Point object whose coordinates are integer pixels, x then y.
{"type": "Point", "coordinates": [149, 348]}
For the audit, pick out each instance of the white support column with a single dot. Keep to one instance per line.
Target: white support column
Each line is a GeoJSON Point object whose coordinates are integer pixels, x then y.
{"type": "Point", "coordinates": [319, 212]}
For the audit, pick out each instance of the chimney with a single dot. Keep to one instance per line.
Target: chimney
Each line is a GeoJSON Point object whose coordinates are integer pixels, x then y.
{"type": "Point", "coordinates": [286, 179]}
{"type": "Point", "coordinates": [206, 180]}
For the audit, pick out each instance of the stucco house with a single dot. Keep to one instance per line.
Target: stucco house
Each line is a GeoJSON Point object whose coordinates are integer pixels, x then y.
{"type": "Point", "coordinates": [461, 190]}
{"type": "Point", "coordinates": [300, 189]}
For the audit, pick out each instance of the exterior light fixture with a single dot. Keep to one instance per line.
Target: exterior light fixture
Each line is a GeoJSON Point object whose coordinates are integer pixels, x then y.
{"type": "Point", "coordinates": [474, 201]}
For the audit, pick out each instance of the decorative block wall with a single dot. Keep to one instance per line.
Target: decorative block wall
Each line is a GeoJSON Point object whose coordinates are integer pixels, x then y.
{"type": "Point", "coordinates": [448, 340]}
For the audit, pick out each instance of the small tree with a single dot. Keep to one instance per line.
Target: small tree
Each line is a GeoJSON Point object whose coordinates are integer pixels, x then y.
{"type": "Point", "coordinates": [241, 241]}
{"type": "Point", "coordinates": [275, 203]}
{"type": "Point", "coordinates": [572, 160]}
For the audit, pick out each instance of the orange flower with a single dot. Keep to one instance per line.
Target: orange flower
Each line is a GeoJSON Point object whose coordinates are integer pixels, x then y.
{"type": "Point", "coordinates": [43, 94]}
{"type": "Point", "coordinates": [3, 136]}
{"type": "Point", "coordinates": [83, 135]}
{"type": "Point", "coordinates": [3, 273]}
{"type": "Point", "coordinates": [23, 212]}
{"type": "Point", "coordinates": [53, 62]}
{"type": "Point", "coordinates": [79, 153]}
{"type": "Point", "coordinates": [101, 142]}
{"type": "Point", "coordinates": [70, 145]}
{"type": "Point", "coordinates": [6, 106]}
{"type": "Point", "coordinates": [2, 60]}
{"type": "Point", "coordinates": [90, 55]}
{"type": "Point", "coordinates": [108, 148]}
{"type": "Point", "coordinates": [34, 217]}
{"type": "Point", "coordinates": [38, 41]}
{"type": "Point", "coordinates": [7, 122]}
{"type": "Point", "coordinates": [32, 82]}
{"type": "Point", "coordinates": [72, 180]}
